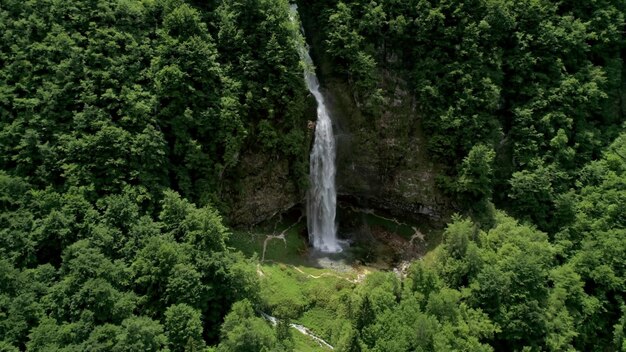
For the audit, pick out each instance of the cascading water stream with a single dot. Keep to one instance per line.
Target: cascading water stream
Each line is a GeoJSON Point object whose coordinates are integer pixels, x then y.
{"type": "Point", "coordinates": [322, 197]}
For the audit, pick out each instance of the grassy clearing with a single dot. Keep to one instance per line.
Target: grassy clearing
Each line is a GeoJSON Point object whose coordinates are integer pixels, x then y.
{"type": "Point", "coordinates": [329, 324]}
{"type": "Point", "coordinates": [306, 344]}
{"type": "Point", "coordinates": [402, 228]}
{"type": "Point", "coordinates": [295, 285]}
{"type": "Point", "coordinates": [313, 302]}
{"type": "Point", "coordinates": [291, 251]}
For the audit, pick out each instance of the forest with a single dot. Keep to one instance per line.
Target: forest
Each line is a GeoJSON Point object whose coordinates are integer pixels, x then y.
{"type": "Point", "coordinates": [145, 143]}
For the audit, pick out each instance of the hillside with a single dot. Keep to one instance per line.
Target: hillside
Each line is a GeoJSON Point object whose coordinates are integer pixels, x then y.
{"type": "Point", "coordinates": [165, 164]}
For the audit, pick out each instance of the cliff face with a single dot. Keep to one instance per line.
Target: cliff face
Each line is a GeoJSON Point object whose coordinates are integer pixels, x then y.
{"type": "Point", "coordinates": [382, 160]}
{"type": "Point", "coordinates": [266, 188]}
{"type": "Point", "coordinates": [265, 183]}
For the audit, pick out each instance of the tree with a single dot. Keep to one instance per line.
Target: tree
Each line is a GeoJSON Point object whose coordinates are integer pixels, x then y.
{"type": "Point", "coordinates": [141, 334]}
{"type": "Point", "coordinates": [183, 327]}
{"type": "Point", "coordinates": [243, 331]}
{"type": "Point", "coordinates": [534, 194]}
{"type": "Point", "coordinates": [283, 335]}
{"type": "Point", "coordinates": [475, 181]}
{"type": "Point", "coordinates": [459, 259]}
{"type": "Point", "coordinates": [512, 286]}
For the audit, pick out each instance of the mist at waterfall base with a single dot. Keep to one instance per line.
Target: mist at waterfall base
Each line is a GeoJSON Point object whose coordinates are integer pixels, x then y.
{"type": "Point", "coordinates": [322, 196]}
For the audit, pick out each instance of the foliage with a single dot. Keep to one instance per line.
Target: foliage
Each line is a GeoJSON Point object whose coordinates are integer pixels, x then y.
{"type": "Point", "coordinates": [116, 118]}
{"type": "Point", "coordinates": [124, 126]}
{"type": "Point", "coordinates": [535, 85]}
{"type": "Point", "coordinates": [150, 95]}
{"type": "Point", "coordinates": [243, 331]}
{"type": "Point", "coordinates": [113, 261]}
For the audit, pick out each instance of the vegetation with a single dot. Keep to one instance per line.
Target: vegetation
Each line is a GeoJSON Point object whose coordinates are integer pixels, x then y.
{"type": "Point", "coordinates": [114, 117]}
{"type": "Point", "coordinates": [528, 91]}
{"type": "Point", "coordinates": [124, 125]}
{"type": "Point", "coordinates": [147, 94]}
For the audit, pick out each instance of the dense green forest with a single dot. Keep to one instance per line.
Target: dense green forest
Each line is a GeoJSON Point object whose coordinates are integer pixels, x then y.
{"type": "Point", "coordinates": [107, 107]}
{"type": "Point", "coordinates": [127, 130]}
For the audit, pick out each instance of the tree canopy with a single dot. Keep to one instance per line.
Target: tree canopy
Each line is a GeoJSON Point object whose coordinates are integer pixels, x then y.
{"type": "Point", "coordinates": [128, 128]}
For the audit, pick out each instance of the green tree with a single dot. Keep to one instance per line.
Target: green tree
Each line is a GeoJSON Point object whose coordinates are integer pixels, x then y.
{"type": "Point", "coordinates": [141, 334]}
{"type": "Point", "coordinates": [183, 327]}
{"type": "Point", "coordinates": [243, 331]}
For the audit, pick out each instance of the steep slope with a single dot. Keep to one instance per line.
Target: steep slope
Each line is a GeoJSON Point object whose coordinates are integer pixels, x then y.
{"type": "Point", "coordinates": [382, 156]}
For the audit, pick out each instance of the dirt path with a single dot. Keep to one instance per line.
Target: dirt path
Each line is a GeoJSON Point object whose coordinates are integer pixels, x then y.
{"type": "Point", "coordinates": [360, 276]}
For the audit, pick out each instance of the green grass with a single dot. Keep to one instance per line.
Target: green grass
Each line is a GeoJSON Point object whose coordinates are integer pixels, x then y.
{"type": "Point", "coordinates": [327, 323]}
{"type": "Point", "coordinates": [288, 293]}
{"type": "Point", "coordinates": [313, 302]}
{"type": "Point", "coordinates": [292, 285]}
{"type": "Point", "coordinates": [433, 236]}
{"type": "Point", "coordinates": [290, 251]}
{"type": "Point", "coordinates": [304, 343]}
{"type": "Point", "coordinates": [282, 291]}
{"type": "Point", "coordinates": [405, 230]}
{"type": "Point", "coordinates": [402, 227]}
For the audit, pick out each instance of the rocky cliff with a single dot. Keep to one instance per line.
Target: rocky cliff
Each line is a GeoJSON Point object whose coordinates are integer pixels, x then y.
{"type": "Point", "coordinates": [382, 161]}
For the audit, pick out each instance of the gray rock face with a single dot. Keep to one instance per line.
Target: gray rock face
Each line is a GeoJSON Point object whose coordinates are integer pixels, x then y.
{"type": "Point", "coordinates": [265, 189]}
{"type": "Point", "coordinates": [382, 159]}
{"type": "Point", "coordinates": [382, 162]}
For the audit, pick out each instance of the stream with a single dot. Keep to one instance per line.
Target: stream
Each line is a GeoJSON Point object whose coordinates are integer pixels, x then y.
{"type": "Point", "coordinates": [302, 329]}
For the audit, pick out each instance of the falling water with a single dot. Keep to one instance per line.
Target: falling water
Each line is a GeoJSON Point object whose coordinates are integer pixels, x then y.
{"type": "Point", "coordinates": [322, 197]}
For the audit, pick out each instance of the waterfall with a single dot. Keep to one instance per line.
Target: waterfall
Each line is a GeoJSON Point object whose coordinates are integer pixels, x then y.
{"type": "Point", "coordinates": [322, 197]}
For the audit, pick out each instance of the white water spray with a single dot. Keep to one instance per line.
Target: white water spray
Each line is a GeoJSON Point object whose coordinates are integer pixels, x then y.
{"type": "Point", "coordinates": [322, 197]}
